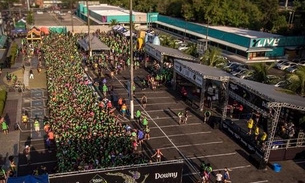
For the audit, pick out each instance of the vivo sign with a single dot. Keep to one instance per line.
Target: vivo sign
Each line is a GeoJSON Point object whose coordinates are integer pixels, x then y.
{"type": "Point", "coordinates": [278, 41]}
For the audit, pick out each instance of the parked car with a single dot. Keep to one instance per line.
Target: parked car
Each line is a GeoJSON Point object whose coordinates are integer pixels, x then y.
{"type": "Point", "coordinates": [292, 69]}
{"type": "Point", "coordinates": [183, 47]}
{"type": "Point", "coordinates": [282, 84]}
{"type": "Point", "coordinates": [246, 74]}
{"type": "Point", "coordinates": [279, 63]}
{"type": "Point", "coordinates": [178, 42]}
{"type": "Point", "coordinates": [239, 70]}
{"type": "Point", "coordinates": [286, 65]}
{"type": "Point", "coordinates": [302, 63]}
{"type": "Point", "coordinates": [232, 66]}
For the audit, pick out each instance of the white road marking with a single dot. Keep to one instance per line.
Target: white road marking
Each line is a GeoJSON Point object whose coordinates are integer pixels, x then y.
{"type": "Point", "coordinates": [261, 181]}
{"type": "Point", "coordinates": [214, 155]}
{"type": "Point", "coordinates": [176, 147]}
{"type": "Point", "coordinates": [232, 168]}
{"type": "Point", "coordinates": [166, 109]}
{"type": "Point", "coordinates": [189, 145]}
{"type": "Point", "coordinates": [170, 126]}
{"type": "Point", "coordinates": [299, 162]}
{"type": "Point", "coordinates": [177, 135]}
{"type": "Point", "coordinates": [164, 103]}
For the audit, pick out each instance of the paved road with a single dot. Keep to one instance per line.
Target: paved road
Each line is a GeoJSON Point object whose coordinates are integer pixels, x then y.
{"type": "Point", "coordinates": [195, 142]}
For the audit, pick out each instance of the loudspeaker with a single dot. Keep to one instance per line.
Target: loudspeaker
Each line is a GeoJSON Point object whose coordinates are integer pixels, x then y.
{"type": "Point", "coordinates": [257, 161]}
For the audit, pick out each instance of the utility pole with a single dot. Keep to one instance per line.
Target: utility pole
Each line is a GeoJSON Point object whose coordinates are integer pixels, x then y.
{"type": "Point", "coordinates": [28, 5]}
{"type": "Point", "coordinates": [131, 63]}
{"type": "Point", "coordinates": [88, 22]}
{"type": "Point", "coordinates": [72, 24]}
{"type": "Point", "coordinates": [206, 36]}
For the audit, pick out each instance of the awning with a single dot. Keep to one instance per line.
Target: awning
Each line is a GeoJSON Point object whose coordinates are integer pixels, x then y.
{"type": "Point", "coordinates": [259, 50]}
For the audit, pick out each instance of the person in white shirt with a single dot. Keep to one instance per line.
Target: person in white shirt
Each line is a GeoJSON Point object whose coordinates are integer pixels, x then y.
{"type": "Point", "coordinates": [219, 177]}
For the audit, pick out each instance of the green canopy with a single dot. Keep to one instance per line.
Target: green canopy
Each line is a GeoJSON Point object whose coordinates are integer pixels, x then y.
{"type": "Point", "coordinates": [20, 25]}
{"type": "Point", "coordinates": [3, 39]}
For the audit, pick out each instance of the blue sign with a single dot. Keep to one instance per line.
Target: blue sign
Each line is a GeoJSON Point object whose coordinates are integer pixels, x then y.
{"type": "Point", "coordinates": [29, 179]}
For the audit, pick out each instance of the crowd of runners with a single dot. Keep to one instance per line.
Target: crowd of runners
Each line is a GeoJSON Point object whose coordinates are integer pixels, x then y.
{"type": "Point", "coordinates": [87, 135]}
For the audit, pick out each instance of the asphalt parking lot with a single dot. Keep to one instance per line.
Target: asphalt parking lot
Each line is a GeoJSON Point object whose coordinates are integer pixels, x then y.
{"type": "Point", "coordinates": [195, 142]}
{"type": "Point", "coordinates": [51, 19]}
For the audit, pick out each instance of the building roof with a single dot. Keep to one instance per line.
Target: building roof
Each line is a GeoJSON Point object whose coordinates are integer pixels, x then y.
{"type": "Point", "coordinates": [172, 52]}
{"type": "Point", "coordinates": [104, 9]}
{"type": "Point", "coordinates": [96, 43]}
{"type": "Point", "coordinates": [245, 32]}
{"type": "Point", "coordinates": [204, 70]}
{"type": "Point", "coordinates": [272, 92]}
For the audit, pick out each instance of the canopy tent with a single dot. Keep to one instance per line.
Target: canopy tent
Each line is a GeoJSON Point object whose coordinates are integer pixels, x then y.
{"type": "Point", "coordinates": [29, 179]}
{"type": "Point", "coordinates": [96, 44]}
{"type": "Point", "coordinates": [152, 49]}
{"type": "Point", "coordinates": [44, 30]}
{"type": "Point", "coordinates": [3, 40]}
{"type": "Point", "coordinates": [19, 31]}
{"type": "Point", "coordinates": [271, 93]}
{"type": "Point", "coordinates": [60, 30]}
{"type": "Point", "coordinates": [128, 33]}
{"type": "Point", "coordinates": [34, 34]}
{"type": "Point", "coordinates": [20, 25]}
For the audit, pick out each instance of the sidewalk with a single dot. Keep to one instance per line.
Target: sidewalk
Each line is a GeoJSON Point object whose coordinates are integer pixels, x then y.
{"type": "Point", "coordinates": [13, 108]}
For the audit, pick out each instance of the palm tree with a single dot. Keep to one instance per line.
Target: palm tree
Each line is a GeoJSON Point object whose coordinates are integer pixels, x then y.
{"type": "Point", "coordinates": [297, 81]}
{"type": "Point", "coordinates": [113, 22]}
{"type": "Point", "coordinates": [260, 72]}
{"type": "Point", "coordinates": [192, 50]}
{"type": "Point", "coordinates": [168, 41]}
{"type": "Point", "coordinates": [212, 57]}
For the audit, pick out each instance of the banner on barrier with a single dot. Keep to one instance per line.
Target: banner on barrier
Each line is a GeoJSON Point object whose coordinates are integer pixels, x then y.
{"type": "Point", "coordinates": [150, 173]}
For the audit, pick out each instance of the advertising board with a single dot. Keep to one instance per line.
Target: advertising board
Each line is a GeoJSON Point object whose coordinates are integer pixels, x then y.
{"type": "Point", "coordinates": [170, 172]}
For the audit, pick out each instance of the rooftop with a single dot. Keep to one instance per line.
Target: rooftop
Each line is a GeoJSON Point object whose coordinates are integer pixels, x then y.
{"type": "Point", "coordinates": [245, 32]}
{"type": "Point", "coordinates": [104, 9]}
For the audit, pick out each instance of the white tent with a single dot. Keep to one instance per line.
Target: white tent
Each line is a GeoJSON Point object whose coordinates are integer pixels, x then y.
{"type": "Point", "coordinates": [128, 33]}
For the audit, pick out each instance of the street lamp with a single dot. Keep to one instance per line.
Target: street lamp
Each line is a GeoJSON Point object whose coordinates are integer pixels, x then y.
{"type": "Point", "coordinates": [71, 11]}
{"type": "Point", "coordinates": [131, 62]}
{"type": "Point", "coordinates": [88, 22]}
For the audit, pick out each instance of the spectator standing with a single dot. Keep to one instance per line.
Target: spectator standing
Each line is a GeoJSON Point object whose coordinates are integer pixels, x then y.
{"type": "Point", "coordinates": [105, 90]}
{"type": "Point", "coordinates": [186, 116]}
{"type": "Point", "coordinates": [31, 74]}
{"type": "Point", "coordinates": [158, 154]}
{"type": "Point", "coordinates": [144, 101]}
{"type": "Point", "coordinates": [219, 177]}
{"type": "Point", "coordinates": [138, 116]}
{"type": "Point", "coordinates": [5, 127]}
{"type": "Point", "coordinates": [27, 153]}
{"type": "Point", "coordinates": [144, 122]}
{"type": "Point", "coordinates": [206, 116]}
{"type": "Point", "coordinates": [147, 130]}
{"type": "Point", "coordinates": [2, 175]}
{"type": "Point", "coordinates": [250, 125]}
{"type": "Point", "coordinates": [226, 176]}
{"type": "Point", "coordinates": [180, 115]}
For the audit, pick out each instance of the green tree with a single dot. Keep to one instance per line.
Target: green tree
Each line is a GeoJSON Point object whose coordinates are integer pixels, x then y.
{"type": "Point", "coordinates": [168, 41]}
{"type": "Point", "coordinates": [30, 18]}
{"type": "Point", "coordinates": [260, 72]}
{"type": "Point", "coordinates": [297, 81]}
{"type": "Point", "coordinates": [212, 57]}
{"type": "Point", "coordinates": [113, 22]}
{"type": "Point", "coordinates": [192, 50]}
